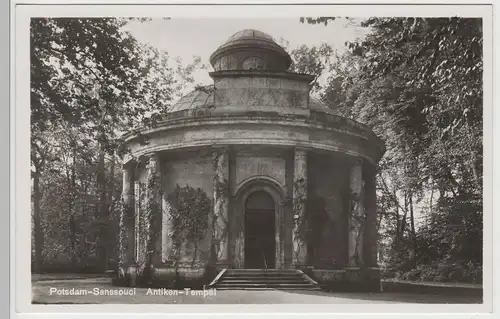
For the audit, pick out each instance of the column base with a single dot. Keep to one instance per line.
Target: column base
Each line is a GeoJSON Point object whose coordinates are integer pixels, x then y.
{"type": "Point", "coordinates": [348, 279]}
{"type": "Point", "coordinates": [164, 277]}
{"type": "Point", "coordinates": [222, 264]}
{"type": "Point", "coordinates": [126, 276]}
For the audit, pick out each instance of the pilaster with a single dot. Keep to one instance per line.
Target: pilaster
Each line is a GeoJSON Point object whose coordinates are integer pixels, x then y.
{"type": "Point", "coordinates": [219, 248]}
{"type": "Point", "coordinates": [356, 214]}
{"type": "Point", "coordinates": [153, 212]}
{"type": "Point", "coordinates": [127, 218]}
{"type": "Point", "coordinates": [300, 226]}
{"type": "Point", "coordinates": [370, 230]}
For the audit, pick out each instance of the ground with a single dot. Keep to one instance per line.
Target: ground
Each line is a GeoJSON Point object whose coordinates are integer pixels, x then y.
{"type": "Point", "coordinates": [42, 287]}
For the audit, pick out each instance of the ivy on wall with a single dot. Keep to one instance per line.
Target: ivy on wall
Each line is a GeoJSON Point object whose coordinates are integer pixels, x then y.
{"type": "Point", "coordinates": [357, 221]}
{"type": "Point", "coordinates": [220, 208]}
{"type": "Point", "coordinates": [188, 218]}
{"type": "Point", "coordinates": [141, 227]}
{"type": "Point", "coordinates": [300, 223]}
{"type": "Point", "coordinates": [152, 211]}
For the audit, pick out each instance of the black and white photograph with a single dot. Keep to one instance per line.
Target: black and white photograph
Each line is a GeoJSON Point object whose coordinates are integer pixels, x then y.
{"type": "Point", "coordinates": [306, 159]}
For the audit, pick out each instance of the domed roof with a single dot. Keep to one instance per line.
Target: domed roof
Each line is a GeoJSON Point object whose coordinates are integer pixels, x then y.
{"type": "Point", "coordinates": [250, 34]}
{"type": "Point", "coordinates": [315, 104]}
{"type": "Point", "coordinates": [250, 39]}
{"type": "Point", "coordinates": [203, 96]}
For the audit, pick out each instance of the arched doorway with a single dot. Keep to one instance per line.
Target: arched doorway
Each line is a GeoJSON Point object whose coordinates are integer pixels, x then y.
{"type": "Point", "coordinates": [260, 242]}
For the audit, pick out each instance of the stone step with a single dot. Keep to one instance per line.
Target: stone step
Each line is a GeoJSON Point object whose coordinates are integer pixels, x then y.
{"type": "Point", "coordinates": [262, 271]}
{"type": "Point", "coordinates": [263, 285]}
{"type": "Point", "coordinates": [269, 288]}
{"type": "Point", "coordinates": [264, 279]}
{"type": "Point", "coordinates": [299, 280]}
{"type": "Point", "coordinates": [256, 276]}
{"type": "Point", "coordinates": [274, 273]}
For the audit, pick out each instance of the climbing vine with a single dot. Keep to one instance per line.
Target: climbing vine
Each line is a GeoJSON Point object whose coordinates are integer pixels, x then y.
{"type": "Point", "coordinates": [152, 209]}
{"type": "Point", "coordinates": [126, 221]}
{"type": "Point", "coordinates": [188, 217]}
{"type": "Point", "coordinates": [300, 223]}
{"type": "Point", "coordinates": [141, 227]}
{"type": "Point", "coordinates": [221, 194]}
{"type": "Point", "coordinates": [357, 221]}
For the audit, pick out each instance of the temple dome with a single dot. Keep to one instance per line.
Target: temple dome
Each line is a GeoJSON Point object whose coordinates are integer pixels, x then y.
{"type": "Point", "coordinates": [315, 104]}
{"type": "Point", "coordinates": [250, 34]}
{"type": "Point", "coordinates": [200, 97]}
{"type": "Point", "coordinates": [249, 44]}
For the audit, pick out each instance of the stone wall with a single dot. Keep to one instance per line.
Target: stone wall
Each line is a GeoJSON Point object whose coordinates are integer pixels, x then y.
{"type": "Point", "coordinates": [327, 181]}
{"type": "Point", "coordinates": [252, 165]}
{"type": "Point", "coordinates": [261, 91]}
{"type": "Point", "coordinates": [194, 170]}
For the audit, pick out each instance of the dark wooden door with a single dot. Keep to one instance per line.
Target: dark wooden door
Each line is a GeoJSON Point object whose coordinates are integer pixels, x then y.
{"type": "Point", "coordinates": [260, 242]}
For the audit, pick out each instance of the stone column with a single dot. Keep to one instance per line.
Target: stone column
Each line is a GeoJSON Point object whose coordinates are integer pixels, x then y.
{"type": "Point", "coordinates": [356, 215]}
{"type": "Point", "coordinates": [127, 220]}
{"type": "Point", "coordinates": [219, 247]}
{"type": "Point", "coordinates": [153, 210]}
{"type": "Point", "coordinates": [300, 227]}
{"type": "Point", "coordinates": [166, 231]}
{"type": "Point", "coordinates": [370, 231]}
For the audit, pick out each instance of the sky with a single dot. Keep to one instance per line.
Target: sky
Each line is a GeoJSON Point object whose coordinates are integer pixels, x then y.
{"type": "Point", "coordinates": [188, 37]}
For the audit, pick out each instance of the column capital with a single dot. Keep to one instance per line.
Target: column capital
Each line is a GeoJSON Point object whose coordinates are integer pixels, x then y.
{"type": "Point", "coordinates": [301, 150]}
{"type": "Point", "coordinates": [129, 165]}
{"type": "Point", "coordinates": [358, 161]}
{"type": "Point", "coordinates": [144, 158]}
{"type": "Point", "coordinates": [221, 148]}
{"type": "Point", "coordinates": [151, 155]}
{"type": "Point", "coordinates": [152, 159]}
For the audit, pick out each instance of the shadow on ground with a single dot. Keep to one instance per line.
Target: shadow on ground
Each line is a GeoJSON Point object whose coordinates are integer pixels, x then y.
{"type": "Point", "coordinates": [396, 297]}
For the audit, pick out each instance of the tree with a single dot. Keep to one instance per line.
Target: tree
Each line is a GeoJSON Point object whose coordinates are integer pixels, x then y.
{"type": "Point", "coordinates": [89, 76]}
{"type": "Point", "coordinates": [418, 83]}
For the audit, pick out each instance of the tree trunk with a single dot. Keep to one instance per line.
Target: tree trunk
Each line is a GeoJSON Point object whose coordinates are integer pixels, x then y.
{"type": "Point", "coordinates": [72, 239]}
{"type": "Point", "coordinates": [412, 226]}
{"type": "Point", "coordinates": [476, 162]}
{"type": "Point", "coordinates": [38, 230]}
{"type": "Point", "coordinates": [112, 242]}
{"type": "Point", "coordinates": [72, 222]}
{"type": "Point", "coordinates": [403, 220]}
{"type": "Point", "coordinates": [102, 215]}
{"type": "Point", "coordinates": [398, 226]}
{"type": "Point", "coordinates": [431, 206]}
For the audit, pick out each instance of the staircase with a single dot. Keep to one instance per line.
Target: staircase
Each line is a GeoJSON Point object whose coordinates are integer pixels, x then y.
{"type": "Point", "coordinates": [263, 279]}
